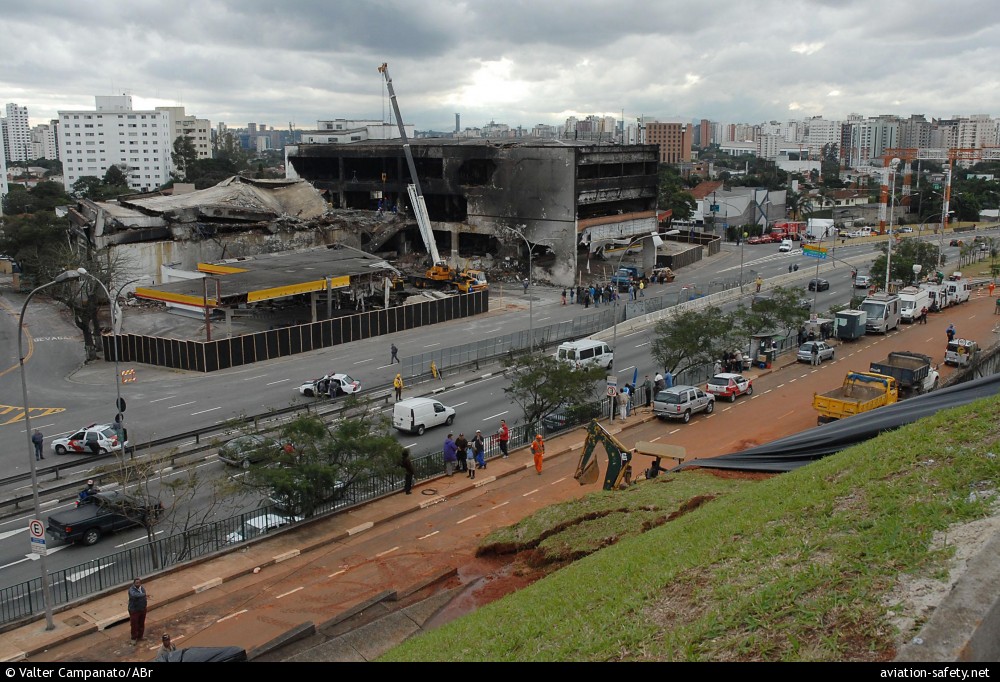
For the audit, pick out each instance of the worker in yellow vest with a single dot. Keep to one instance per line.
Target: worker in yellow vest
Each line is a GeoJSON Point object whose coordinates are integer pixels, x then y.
{"type": "Point", "coordinates": [397, 384]}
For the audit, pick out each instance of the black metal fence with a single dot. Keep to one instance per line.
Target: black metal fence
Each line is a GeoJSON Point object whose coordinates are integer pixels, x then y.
{"type": "Point", "coordinates": [210, 356]}
{"type": "Point", "coordinates": [24, 601]}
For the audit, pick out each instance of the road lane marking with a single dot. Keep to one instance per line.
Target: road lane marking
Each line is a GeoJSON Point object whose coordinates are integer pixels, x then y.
{"type": "Point", "coordinates": [182, 404]}
{"type": "Point", "coordinates": [531, 492]}
{"type": "Point", "coordinates": [646, 343]}
{"type": "Point", "coordinates": [279, 381]}
{"type": "Point", "coordinates": [334, 575]}
{"type": "Point", "coordinates": [460, 404]}
{"type": "Point", "coordinates": [387, 551]}
{"type": "Point", "coordinates": [653, 440]}
{"type": "Point", "coordinates": [258, 376]}
{"type": "Point", "coordinates": [786, 414]}
{"type": "Point", "coordinates": [673, 432]}
{"type": "Point", "coordinates": [542, 319]}
{"type": "Point", "coordinates": [431, 345]}
{"type": "Point", "coordinates": [159, 399]}
{"type": "Point", "coordinates": [232, 615]}
{"type": "Point", "coordinates": [726, 409]}
{"type": "Point", "coordinates": [502, 504]}
{"type": "Point", "coordinates": [424, 537]}
{"type": "Point", "coordinates": [361, 362]}
{"type": "Point", "coordinates": [467, 518]}
{"type": "Point", "coordinates": [211, 409]}
{"type": "Point", "coordinates": [499, 414]}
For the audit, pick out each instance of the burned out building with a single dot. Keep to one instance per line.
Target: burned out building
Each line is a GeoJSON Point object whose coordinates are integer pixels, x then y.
{"type": "Point", "coordinates": [490, 197]}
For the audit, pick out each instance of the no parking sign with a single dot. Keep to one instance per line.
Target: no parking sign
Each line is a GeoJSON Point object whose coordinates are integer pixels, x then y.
{"type": "Point", "coordinates": [37, 532]}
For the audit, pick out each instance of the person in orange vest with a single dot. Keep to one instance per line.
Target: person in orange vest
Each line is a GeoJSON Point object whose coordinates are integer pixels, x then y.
{"type": "Point", "coordinates": [538, 450]}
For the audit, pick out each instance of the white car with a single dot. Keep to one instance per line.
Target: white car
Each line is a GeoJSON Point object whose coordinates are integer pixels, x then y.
{"type": "Point", "coordinates": [258, 525]}
{"type": "Point", "coordinates": [82, 441]}
{"type": "Point", "coordinates": [786, 245]}
{"type": "Point", "coordinates": [906, 230]}
{"type": "Point", "coordinates": [332, 385]}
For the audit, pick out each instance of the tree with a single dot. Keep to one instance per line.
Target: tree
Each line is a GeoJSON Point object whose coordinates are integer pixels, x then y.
{"type": "Point", "coordinates": [905, 254]}
{"type": "Point", "coordinates": [184, 156]}
{"type": "Point", "coordinates": [671, 194]}
{"type": "Point", "coordinates": [692, 338]}
{"type": "Point", "coordinates": [540, 383]}
{"type": "Point", "coordinates": [312, 462]}
{"type": "Point", "coordinates": [115, 177]}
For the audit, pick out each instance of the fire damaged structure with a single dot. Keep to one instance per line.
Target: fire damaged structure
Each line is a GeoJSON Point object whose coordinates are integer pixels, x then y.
{"type": "Point", "coordinates": [565, 195]}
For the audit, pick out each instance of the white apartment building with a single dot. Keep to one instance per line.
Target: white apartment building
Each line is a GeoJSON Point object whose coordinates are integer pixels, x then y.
{"type": "Point", "coordinates": [3, 175]}
{"type": "Point", "coordinates": [16, 133]}
{"type": "Point", "coordinates": [197, 129]}
{"type": "Point", "coordinates": [340, 131]}
{"type": "Point", "coordinates": [978, 130]}
{"type": "Point", "coordinates": [820, 133]}
{"type": "Point", "coordinates": [43, 141]}
{"type": "Point", "coordinates": [91, 141]}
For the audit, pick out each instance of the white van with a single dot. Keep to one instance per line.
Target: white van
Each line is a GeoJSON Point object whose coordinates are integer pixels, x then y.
{"type": "Point", "coordinates": [586, 353]}
{"type": "Point", "coordinates": [786, 245]}
{"type": "Point", "coordinates": [959, 290]}
{"type": "Point", "coordinates": [913, 300]}
{"type": "Point", "coordinates": [414, 415]}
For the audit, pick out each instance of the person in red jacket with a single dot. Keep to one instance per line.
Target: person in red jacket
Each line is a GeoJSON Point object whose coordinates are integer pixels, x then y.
{"type": "Point", "coordinates": [503, 436]}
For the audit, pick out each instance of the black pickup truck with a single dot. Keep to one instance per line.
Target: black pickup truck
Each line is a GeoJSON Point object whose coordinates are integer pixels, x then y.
{"type": "Point", "coordinates": [105, 512]}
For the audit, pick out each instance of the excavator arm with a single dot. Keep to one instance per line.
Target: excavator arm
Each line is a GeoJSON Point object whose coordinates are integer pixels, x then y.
{"type": "Point", "coordinates": [620, 458]}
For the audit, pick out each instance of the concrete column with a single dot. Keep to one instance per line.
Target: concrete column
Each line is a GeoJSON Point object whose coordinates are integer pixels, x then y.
{"type": "Point", "coordinates": [453, 259]}
{"type": "Point", "coordinates": [648, 255]}
{"type": "Point", "coordinates": [312, 305]}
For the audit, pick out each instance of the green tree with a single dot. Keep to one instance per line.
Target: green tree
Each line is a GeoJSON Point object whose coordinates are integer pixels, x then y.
{"type": "Point", "coordinates": [905, 254]}
{"type": "Point", "coordinates": [692, 338]}
{"type": "Point", "coordinates": [672, 194]}
{"type": "Point", "coordinates": [184, 156]}
{"type": "Point", "coordinates": [539, 383]}
{"type": "Point", "coordinates": [88, 187]}
{"type": "Point", "coordinates": [313, 462]}
{"type": "Point", "coordinates": [115, 177]}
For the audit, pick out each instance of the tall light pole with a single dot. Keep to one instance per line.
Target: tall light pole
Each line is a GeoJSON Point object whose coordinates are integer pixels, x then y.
{"type": "Point", "coordinates": [816, 280]}
{"type": "Point", "coordinates": [892, 207]}
{"type": "Point", "coordinates": [531, 249]}
{"type": "Point", "coordinates": [743, 241]}
{"type": "Point", "coordinates": [46, 592]}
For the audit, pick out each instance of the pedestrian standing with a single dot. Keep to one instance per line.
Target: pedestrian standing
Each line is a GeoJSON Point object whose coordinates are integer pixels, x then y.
{"type": "Point", "coordinates": [759, 281]}
{"type": "Point", "coordinates": [991, 287]}
{"type": "Point", "coordinates": [137, 601]}
{"type": "Point", "coordinates": [407, 465]}
{"type": "Point", "coordinates": [564, 297]}
{"type": "Point", "coordinates": [37, 438]}
{"type": "Point", "coordinates": [950, 331]}
{"type": "Point", "coordinates": [525, 283]}
{"type": "Point", "coordinates": [462, 453]}
{"type": "Point", "coordinates": [815, 354]}
{"type": "Point", "coordinates": [717, 369]}
{"type": "Point", "coordinates": [393, 357]}
{"type": "Point", "coordinates": [923, 315]}
{"type": "Point", "coordinates": [538, 452]}
{"type": "Point", "coordinates": [571, 292]}
{"type": "Point", "coordinates": [166, 646]}
{"type": "Point", "coordinates": [450, 455]}
{"type": "Point", "coordinates": [579, 295]}
{"type": "Point", "coordinates": [623, 403]}
{"type": "Point", "coordinates": [586, 299]}
{"type": "Point", "coordinates": [434, 371]}
{"type": "Point", "coordinates": [397, 384]}
{"type": "Point", "coordinates": [658, 383]}
{"type": "Point", "coordinates": [503, 436]}
{"type": "Point", "coordinates": [642, 288]}
{"type": "Point", "coordinates": [479, 448]}
{"type": "Point", "coordinates": [647, 386]}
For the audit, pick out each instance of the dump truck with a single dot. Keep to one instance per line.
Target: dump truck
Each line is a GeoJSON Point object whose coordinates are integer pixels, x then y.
{"type": "Point", "coordinates": [913, 372]}
{"type": "Point", "coordinates": [860, 392]}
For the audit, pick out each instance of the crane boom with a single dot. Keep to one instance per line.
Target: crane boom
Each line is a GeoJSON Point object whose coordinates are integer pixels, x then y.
{"type": "Point", "coordinates": [416, 195]}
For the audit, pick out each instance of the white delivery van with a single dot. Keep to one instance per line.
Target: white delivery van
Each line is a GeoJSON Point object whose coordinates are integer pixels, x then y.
{"type": "Point", "coordinates": [938, 294]}
{"type": "Point", "coordinates": [786, 245]}
{"type": "Point", "coordinates": [959, 290]}
{"type": "Point", "coordinates": [912, 300]}
{"type": "Point", "coordinates": [586, 353]}
{"type": "Point", "coordinates": [881, 312]}
{"type": "Point", "coordinates": [414, 415]}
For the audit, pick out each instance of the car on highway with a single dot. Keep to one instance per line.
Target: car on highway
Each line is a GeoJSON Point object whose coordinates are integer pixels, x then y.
{"type": "Point", "coordinates": [258, 524]}
{"type": "Point", "coordinates": [786, 245]}
{"type": "Point", "coordinates": [862, 282]}
{"type": "Point", "coordinates": [333, 385]}
{"type": "Point", "coordinates": [819, 284]}
{"type": "Point", "coordinates": [103, 436]}
{"type": "Point", "coordinates": [680, 402]}
{"type": "Point", "coordinates": [729, 385]}
{"type": "Point", "coordinates": [252, 448]}
{"type": "Point", "coordinates": [564, 417]}
{"type": "Point", "coordinates": [805, 351]}
{"type": "Point", "coordinates": [109, 511]}
{"type": "Point", "coordinates": [906, 230]}
{"type": "Point", "coordinates": [956, 242]}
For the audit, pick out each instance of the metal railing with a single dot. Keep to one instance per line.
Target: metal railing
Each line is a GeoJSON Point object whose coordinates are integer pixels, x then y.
{"type": "Point", "coordinates": [22, 601]}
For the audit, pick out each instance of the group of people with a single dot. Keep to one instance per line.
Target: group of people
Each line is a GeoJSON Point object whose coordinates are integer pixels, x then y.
{"type": "Point", "coordinates": [731, 362]}
{"type": "Point", "coordinates": [459, 451]}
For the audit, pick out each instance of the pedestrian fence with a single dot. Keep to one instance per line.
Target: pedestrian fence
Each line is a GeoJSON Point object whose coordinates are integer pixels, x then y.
{"type": "Point", "coordinates": [24, 601]}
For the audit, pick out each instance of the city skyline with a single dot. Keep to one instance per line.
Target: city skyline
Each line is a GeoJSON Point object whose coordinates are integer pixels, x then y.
{"type": "Point", "coordinates": [522, 63]}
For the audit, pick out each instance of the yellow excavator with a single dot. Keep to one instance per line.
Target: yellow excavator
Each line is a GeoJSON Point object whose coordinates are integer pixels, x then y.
{"type": "Point", "coordinates": [619, 472]}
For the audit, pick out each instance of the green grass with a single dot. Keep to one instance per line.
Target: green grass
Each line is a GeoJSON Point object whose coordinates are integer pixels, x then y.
{"type": "Point", "coordinates": [798, 567]}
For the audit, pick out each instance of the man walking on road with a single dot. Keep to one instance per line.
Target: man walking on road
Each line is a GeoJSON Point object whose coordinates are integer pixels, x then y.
{"type": "Point", "coordinates": [393, 358]}
{"type": "Point", "coordinates": [37, 438]}
{"type": "Point", "coordinates": [538, 451]}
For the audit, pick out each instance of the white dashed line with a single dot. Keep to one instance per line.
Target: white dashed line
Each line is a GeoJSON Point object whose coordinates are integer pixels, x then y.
{"type": "Point", "coordinates": [388, 551]}
{"type": "Point", "coordinates": [231, 615]}
{"type": "Point", "coordinates": [289, 592]}
{"type": "Point", "coordinates": [424, 537]}
{"type": "Point", "coordinates": [279, 381]}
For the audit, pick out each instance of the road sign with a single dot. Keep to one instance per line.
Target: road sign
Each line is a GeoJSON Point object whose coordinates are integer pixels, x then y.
{"type": "Point", "coordinates": [37, 532]}
{"type": "Point", "coordinates": [612, 386]}
{"type": "Point", "coordinates": [128, 376]}
{"type": "Point", "coordinates": [813, 251]}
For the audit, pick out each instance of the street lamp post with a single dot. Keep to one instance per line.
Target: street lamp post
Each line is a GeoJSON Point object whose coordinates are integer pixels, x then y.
{"type": "Point", "coordinates": [892, 207]}
{"type": "Point", "coordinates": [531, 249]}
{"type": "Point", "coordinates": [632, 242]}
{"type": "Point", "coordinates": [46, 592]}
{"type": "Point", "coordinates": [743, 241]}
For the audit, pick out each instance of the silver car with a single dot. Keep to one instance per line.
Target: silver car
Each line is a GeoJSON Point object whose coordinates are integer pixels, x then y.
{"type": "Point", "coordinates": [806, 351]}
{"type": "Point", "coordinates": [680, 402]}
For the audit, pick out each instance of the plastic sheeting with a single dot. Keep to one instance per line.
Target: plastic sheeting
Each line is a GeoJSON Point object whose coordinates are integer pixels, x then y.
{"type": "Point", "coordinates": [792, 452]}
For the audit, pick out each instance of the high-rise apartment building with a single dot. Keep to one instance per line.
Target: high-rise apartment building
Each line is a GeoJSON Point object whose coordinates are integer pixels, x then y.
{"type": "Point", "coordinates": [43, 141]}
{"type": "Point", "coordinates": [198, 130]}
{"type": "Point", "coordinates": [3, 174]}
{"type": "Point", "coordinates": [16, 133]}
{"type": "Point", "coordinates": [113, 134]}
{"type": "Point", "coordinates": [978, 130]}
{"type": "Point", "coordinates": [674, 140]}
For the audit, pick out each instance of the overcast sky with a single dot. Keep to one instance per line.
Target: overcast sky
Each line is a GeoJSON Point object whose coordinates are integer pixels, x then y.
{"type": "Point", "coordinates": [519, 62]}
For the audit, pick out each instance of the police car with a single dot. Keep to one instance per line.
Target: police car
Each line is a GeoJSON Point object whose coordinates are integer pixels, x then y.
{"type": "Point", "coordinates": [84, 440]}
{"type": "Point", "coordinates": [331, 384]}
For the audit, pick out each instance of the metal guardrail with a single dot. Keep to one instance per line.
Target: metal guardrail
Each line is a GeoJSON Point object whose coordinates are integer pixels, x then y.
{"type": "Point", "coordinates": [24, 601]}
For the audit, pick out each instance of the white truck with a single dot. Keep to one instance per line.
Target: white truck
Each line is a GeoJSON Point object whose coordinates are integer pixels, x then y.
{"type": "Point", "coordinates": [820, 228]}
{"type": "Point", "coordinates": [912, 301]}
{"type": "Point", "coordinates": [959, 289]}
{"type": "Point", "coordinates": [882, 313]}
{"type": "Point", "coordinates": [938, 294]}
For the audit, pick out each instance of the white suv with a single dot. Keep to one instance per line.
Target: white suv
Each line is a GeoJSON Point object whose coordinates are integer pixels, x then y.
{"type": "Point", "coordinates": [680, 402]}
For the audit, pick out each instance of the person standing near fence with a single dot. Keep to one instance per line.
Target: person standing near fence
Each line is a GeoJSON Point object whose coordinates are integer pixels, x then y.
{"type": "Point", "coordinates": [647, 386]}
{"type": "Point", "coordinates": [538, 452]}
{"type": "Point", "coordinates": [137, 603]}
{"type": "Point", "coordinates": [450, 455]}
{"type": "Point", "coordinates": [397, 384]}
{"type": "Point", "coordinates": [479, 448]}
{"type": "Point", "coordinates": [407, 465]}
{"type": "Point", "coordinates": [503, 437]}
{"type": "Point", "coordinates": [462, 453]}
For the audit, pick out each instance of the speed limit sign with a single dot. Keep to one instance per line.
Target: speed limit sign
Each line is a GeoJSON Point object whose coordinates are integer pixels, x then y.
{"type": "Point", "coordinates": [37, 532]}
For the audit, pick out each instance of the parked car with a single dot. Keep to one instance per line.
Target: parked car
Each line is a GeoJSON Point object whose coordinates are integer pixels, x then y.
{"type": "Point", "coordinates": [258, 524]}
{"type": "Point", "coordinates": [101, 435]}
{"type": "Point", "coordinates": [862, 282]}
{"type": "Point", "coordinates": [906, 230]}
{"type": "Point", "coordinates": [786, 245]}
{"type": "Point", "coordinates": [564, 417]}
{"type": "Point", "coordinates": [680, 402]}
{"type": "Point", "coordinates": [729, 385]}
{"type": "Point", "coordinates": [819, 284]}
{"type": "Point", "coordinates": [332, 385]}
{"type": "Point", "coordinates": [243, 451]}
{"type": "Point", "coordinates": [805, 351]}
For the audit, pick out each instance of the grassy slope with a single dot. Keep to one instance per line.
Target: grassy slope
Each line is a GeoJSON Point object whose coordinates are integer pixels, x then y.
{"type": "Point", "coordinates": [794, 568]}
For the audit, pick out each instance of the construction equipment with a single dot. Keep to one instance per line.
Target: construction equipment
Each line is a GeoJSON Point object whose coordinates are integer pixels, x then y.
{"type": "Point", "coordinates": [440, 274]}
{"type": "Point", "coordinates": [860, 392]}
{"type": "Point", "coordinates": [619, 472]}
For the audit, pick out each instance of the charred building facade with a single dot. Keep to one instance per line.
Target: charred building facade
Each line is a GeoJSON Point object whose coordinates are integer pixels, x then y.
{"type": "Point", "coordinates": [481, 194]}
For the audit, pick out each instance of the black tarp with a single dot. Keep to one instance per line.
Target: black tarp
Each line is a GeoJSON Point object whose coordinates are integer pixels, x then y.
{"type": "Point", "coordinates": [794, 451]}
{"type": "Point", "coordinates": [204, 654]}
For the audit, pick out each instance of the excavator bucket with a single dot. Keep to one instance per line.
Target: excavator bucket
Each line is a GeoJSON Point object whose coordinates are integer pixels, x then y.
{"type": "Point", "coordinates": [589, 474]}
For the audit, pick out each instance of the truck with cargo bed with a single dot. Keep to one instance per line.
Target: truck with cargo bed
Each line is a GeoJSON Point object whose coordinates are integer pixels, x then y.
{"type": "Point", "coordinates": [103, 513]}
{"type": "Point", "coordinates": [860, 392]}
{"type": "Point", "coordinates": [913, 372]}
